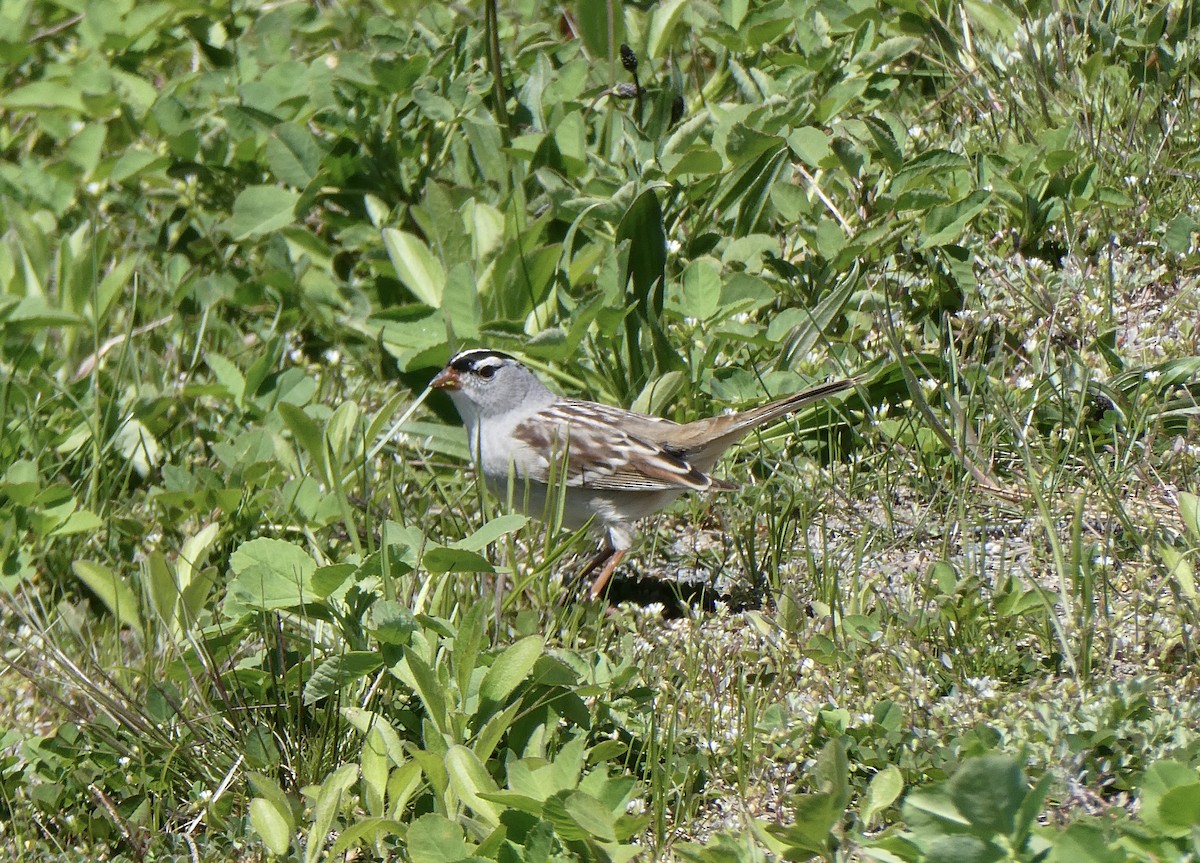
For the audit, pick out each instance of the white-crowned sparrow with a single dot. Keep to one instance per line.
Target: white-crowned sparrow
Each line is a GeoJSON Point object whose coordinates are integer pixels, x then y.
{"type": "Point", "coordinates": [613, 465]}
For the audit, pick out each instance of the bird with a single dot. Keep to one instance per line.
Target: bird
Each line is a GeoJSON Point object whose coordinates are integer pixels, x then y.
{"type": "Point", "coordinates": [614, 466]}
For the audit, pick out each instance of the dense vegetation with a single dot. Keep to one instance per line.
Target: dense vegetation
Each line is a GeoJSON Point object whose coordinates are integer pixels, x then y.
{"type": "Point", "coordinates": [958, 606]}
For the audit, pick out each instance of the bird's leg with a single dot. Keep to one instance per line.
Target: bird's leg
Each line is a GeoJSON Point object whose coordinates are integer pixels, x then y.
{"type": "Point", "coordinates": [612, 561]}
{"type": "Point", "coordinates": [607, 561]}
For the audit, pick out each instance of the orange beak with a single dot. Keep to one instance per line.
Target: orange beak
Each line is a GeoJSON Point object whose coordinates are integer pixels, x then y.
{"type": "Point", "coordinates": [447, 379]}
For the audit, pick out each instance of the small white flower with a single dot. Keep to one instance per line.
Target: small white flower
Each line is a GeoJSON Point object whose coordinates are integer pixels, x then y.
{"type": "Point", "coordinates": [1153, 375]}
{"type": "Point", "coordinates": [1024, 382]}
{"type": "Point", "coordinates": [1031, 345]}
{"type": "Point", "coordinates": [673, 246]}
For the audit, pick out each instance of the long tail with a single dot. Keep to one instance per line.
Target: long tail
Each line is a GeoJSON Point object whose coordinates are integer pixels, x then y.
{"type": "Point", "coordinates": [711, 437]}
{"type": "Point", "coordinates": [763, 414]}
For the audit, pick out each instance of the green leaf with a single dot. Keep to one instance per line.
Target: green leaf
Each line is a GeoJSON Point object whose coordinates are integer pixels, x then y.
{"type": "Point", "coordinates": [1179, 233]}
{"type": "Point", "coordinates": [962, 849]}
{"type": "Point", "coordinates": [1189, 513]}
{"type": "Point", "coordinates": [272, 825]}
{"type": "Point", "coordinates": [329, 799]}
{"type": "Point", "coordinates": [662, 24]}
{"type": "Point", "coordinates": [699, 289]}
{"type": "Point", "coordinates": [455, 560]}
{"type": "Point", "coordinates": [392, 622]}
{"type": "Point", "coordinates": [336, 671]}
{"type": "Point", "coordinates": [433, 838]}
{"type": "Point", "coordinates": [492, 531]}
{"type": "Point", "coordinates": [601, 33]}
{"type": "Point", "coordinates": [293, 154]}
{"type": "Point", "coordinates": [642, 226]}
{"type": "Point", "coordinates": [815, 816]}
{"type": "Point", "coordinates": [510, 668]}
{"type": "Point", "coordinates": [988, 791]}
{"type": "Point", "coordinates": [260, 210]}
{"type": "Point", "coordinates": [946, 223]}
{"type": "Point", "coordinates": [44, 94]}
{"type": "Point", "coordinates": [117, 596]}
{"type": "Point", "coordinates": [811, 145]}
{"type": "Point", "coordinates": [592, 815]}
{"type": "Point", "coordinates": [838, 97]}
{"type": "Point", "coordinates": [1083, 842]}
{"type": "Point", "coordinates": [416, 266]}
{"type": "Point", "coordinates": [270, 574]}
{"type": "Point", "coordinates": [470, 779]}
{"type": "Point", "coordinates": [460, 303]}
{"type": "Point", "coordinates": [883, 791]}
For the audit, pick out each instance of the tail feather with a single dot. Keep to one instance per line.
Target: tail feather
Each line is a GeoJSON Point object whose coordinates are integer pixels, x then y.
{"type": "Point", "coordinates": [709, 438]}
{"type": "Point", "coordinates": [763, 414]}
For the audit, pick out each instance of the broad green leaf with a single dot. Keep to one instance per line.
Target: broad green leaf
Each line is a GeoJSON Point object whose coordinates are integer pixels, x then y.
{"type": "Point", "coordinates": [336, 671]}
{"type": "Point", "coordinates": [1178, 235]}
{"type": "Point", "coordinates": [138, 446]}
{"type": "Point", "coordinates": [376, 765]}
{"type": "Point", "coordinates": [327, 579]}
{"type": "Point", "coordinates": [815, 816]}
{"type": "Point", "coordinates": [467, 641]}
{"type": "Point", "coordinates": [510, 668]}
{"type": "Point", "coordinates": [416, 673]}
{"type": "Point", "coordinates": [1189, 512]}
{"type": "Point", "coordinates": [367, 722]}
{"type": "Point", "coordinates": [271, 825]}
{"type": "Point", "coordinates": [111, 589]}
{"type": "Point", "coordinates": [1179, 808]}
{"type": "Point", "coordinates": [228, 375]}
{"type": "Point", "coordinates": [329, 800]}
{"type": "Point", "coordinates": [192, 556]}
{"type": "Point", "coordinates": [44, 94]}
{"type": "Point", "coordinates": [260, 210]}
{"type": "Point", "coordinates": [700, 289]}
{"type": "Point", "coordinates": [343, 433]}
{"type": "Point", "coordinates": [470, 779]}
{"type": "Point", "coordinates": [602, 26]}
{"type": "Point", "coordinates": [946, 223]}
{"type": "Point", "coordinates": [270, 574]}
{"type": "Point", "coordinates": [160, 582]}
{"type": "Point", "coordinates": [662, 25]}
{"type": "Point", "coordinates": [293, 154]}
{"type": "Point", "coordinates": [460, 303]}
{"type": "Point", "coordinates": [366, 831]}
{"type": "Point", "coordinates": [308, 434]}
{"type": "Point", "coordinates": [811, 145]}
{"type": "Point", "coordinates": [988, 791]}
{"type": "Point", "coordinates": [962, 849]}
{"type": "Point", "coordinates": [1083, 842]}
{"type": "Point", "coordinates": [592, 815]}
{"type": "Point", "coordinates": [392, 622]}
{"type": "Point", "coordinates": [1180, 569]}
{"type": "Point", "coordinates": [838, 96]}
{"type": "Point", "coordinates": [455, 560]}
{"type": "Point", "coordinates": [492, 531]}
{"type": "Point", "coordinates": [433, 838]}
{"type": "Point", "coordinates": [416, 266]}
{"type": "Point", "coordinates": [642, 226]}
{"type": "Point", "coordinates": [883, 791]}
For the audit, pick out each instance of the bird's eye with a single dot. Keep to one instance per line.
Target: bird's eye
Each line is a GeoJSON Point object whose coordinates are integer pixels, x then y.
{"type": "Point", "coordinates": [486, 372]}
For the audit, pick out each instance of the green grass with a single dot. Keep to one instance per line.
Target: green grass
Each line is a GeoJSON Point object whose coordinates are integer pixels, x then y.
{"type": "Point", "coordinates": [237, 243]}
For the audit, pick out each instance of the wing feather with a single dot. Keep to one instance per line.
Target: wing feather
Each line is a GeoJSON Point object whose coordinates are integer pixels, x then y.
{"type": "Point", "coordinates": [604, 448]}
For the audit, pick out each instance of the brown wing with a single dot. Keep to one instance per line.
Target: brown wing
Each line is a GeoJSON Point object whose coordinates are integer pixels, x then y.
{"type": "Point", "coordinates": [601, 448]}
